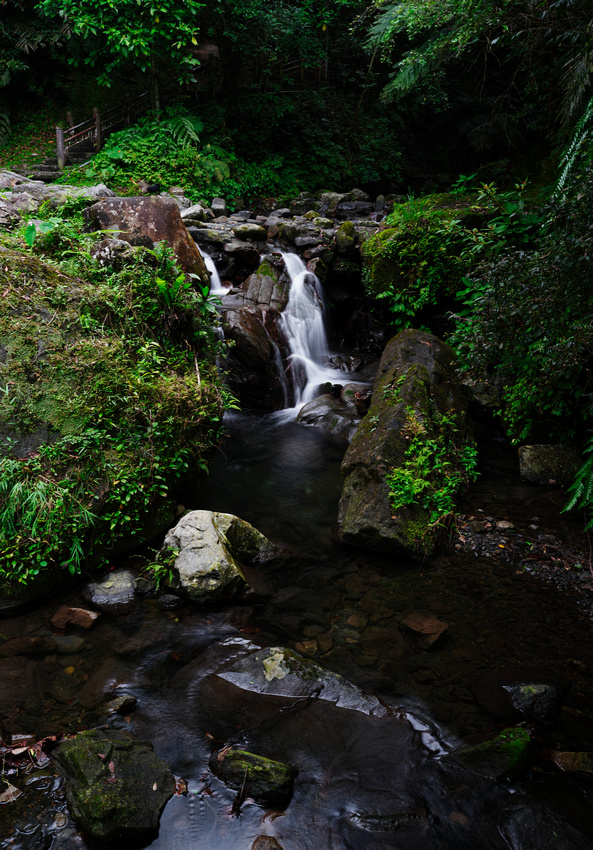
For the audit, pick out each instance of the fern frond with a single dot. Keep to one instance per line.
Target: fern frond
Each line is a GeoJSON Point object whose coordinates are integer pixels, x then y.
{"type": "Point", "coordinates": [185, 130]}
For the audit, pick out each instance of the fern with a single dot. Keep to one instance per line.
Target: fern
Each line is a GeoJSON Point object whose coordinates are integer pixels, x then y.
{"type": "Point", "coordinates": [185, 130]}
{"type": "Point", "coordinates": [570, 155]}
{"type": "Point", "coordinates": [581, 489]}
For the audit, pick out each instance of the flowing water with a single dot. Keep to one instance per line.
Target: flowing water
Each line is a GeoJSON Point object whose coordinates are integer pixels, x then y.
{"type": "Point", "coordinates": [303, 324]}
{"type": "Point", "coordinates": [374, 782]}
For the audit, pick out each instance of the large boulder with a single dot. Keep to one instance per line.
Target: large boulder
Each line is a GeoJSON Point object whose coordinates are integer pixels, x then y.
{"type": "Point", "coordinates": [208, 552]}
{"type": "Point", "coordinates": [116, 787]}
{"type": "Point", "coordinates": [416, 434]}
{"type": "Point", "coordinates": [144, 220]}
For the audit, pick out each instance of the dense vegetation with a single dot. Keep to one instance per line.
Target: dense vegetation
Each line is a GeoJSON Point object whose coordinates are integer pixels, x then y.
{"type": "Point", "coordinates": [464, 106]}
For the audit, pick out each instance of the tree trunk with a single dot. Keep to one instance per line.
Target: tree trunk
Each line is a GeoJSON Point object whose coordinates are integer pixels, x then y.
{"type": "Point", "coordinates": [155, 94]}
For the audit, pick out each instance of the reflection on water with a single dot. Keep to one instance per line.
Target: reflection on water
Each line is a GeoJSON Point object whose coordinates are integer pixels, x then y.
{"type": "Point", "coordinates": [282, 478]}
{"type": "Point", "coordinates": [374, 783]}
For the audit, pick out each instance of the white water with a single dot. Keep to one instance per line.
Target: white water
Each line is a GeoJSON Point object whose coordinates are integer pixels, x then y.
{"type": "Point", "coordinates": [216, 287]}
{"type": "Point", "coordinates": [303, 324]}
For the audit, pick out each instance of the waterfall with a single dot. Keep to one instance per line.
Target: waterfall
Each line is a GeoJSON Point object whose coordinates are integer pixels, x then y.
{"type": "Point", "coordinates": [216, 287]}
{"type": "Point", "coordinates": [304, 327]}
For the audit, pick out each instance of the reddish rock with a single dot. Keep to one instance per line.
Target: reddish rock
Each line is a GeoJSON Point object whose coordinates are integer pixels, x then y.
{"type": "Point", "coordinates": [145, 220]}
{"type": "Point", "coordinates": [425, 626]}
{"type": "Point", "coordinates": [65, 616]}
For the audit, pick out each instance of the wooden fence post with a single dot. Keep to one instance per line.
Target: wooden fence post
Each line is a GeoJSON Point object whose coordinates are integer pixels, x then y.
{"type": "Point", "coordinates": [98, 136]}
{"type": "Point", "coordinates": [60, 148]}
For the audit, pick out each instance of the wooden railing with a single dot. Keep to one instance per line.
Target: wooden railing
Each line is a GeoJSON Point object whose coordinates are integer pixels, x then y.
{"type": "Point", "coordinates": [95, 130]}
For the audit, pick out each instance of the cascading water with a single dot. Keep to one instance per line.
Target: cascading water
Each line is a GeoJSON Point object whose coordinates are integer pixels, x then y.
{"type": "Point", "coordinates": [304, 327]}
{"type": "Point", "coordinates": [216, 287]}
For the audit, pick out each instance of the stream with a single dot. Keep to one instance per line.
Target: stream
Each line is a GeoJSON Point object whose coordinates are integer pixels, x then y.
{"type": "Point", "coordinates": [369, 780]}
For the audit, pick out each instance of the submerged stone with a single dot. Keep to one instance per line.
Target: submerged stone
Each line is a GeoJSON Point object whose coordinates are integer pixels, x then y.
{"type": "Point", "coordinates": [501, 758]}
{"type": "Point", "coordinates": [116, 787]}
{"type": "Point", "coordinates": [208, 552]}
{"type": "Point", "coordinates": [278, 671]}
{"type": "Point", "coordinates": [527, 826]}
{"type": "Point", "coordinates": [267, 781]}
{"type": "Point", "coordinates": [115, 594]}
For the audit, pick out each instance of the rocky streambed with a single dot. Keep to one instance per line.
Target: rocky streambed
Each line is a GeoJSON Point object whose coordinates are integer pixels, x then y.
{"type": "Point", "coordinates": [373, 679]}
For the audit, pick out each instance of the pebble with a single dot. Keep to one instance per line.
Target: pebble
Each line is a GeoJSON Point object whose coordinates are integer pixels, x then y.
{"type": "Point", "coordinates": [68, 644]}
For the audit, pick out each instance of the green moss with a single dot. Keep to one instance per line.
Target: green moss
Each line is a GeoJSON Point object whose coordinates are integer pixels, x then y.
{"type": "Point", "coordinates": [260, 777]}
{"type": "Point", "coordinates": [501, 758]}
{"type": "Point", "coordinates": [102, 408]}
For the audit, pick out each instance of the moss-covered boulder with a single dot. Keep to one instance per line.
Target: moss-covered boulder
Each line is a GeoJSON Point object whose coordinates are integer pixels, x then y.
{"type": "Point", "coordinates": [116, 787]}
{"type": "Point", "coordinates": [102, 411]}
{"type": "Point", "coordinates": [409, 253]}
{"type": "Point", "coordinates": [207, 552]}
{"type": "Point", "coordinates": [267, 781]}
{"type": "Point", "coordinates": [501, 758]}
{"type": "Point", "coordinates": [412, 453]}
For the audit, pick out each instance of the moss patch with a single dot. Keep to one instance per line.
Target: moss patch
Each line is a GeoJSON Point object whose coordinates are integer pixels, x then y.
{"type": "Point", "coordinates": [109, 396]}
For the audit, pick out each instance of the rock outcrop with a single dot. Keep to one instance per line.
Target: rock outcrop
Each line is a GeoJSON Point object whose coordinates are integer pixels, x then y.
{"type": "Point", "coordinates": [417, 401]}
{"type": "Point", "coordinates": [146, 220]}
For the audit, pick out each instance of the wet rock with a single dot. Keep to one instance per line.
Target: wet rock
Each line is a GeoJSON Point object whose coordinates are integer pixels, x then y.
{"type": "Point", "coordinates": [116, 787]}
{"type": "Point", "coordinates": [331, 415]}
{"type": "Point", "coordinates": [278, 671]}
{"type": "Point", "coordinates": [535, 701]}
{"type": "Point", "coordinates": [26, 646]}
{"type": "Point", "coordinates": [67, 616]}
{"type": "Point", "coordinates": [68, 644]}
{"type": "Point", "coordinates": [21, 685]}
{"type": "Point", "coordinates": [501, 758]}
{"type": "Point", "coordinates": [345, 237]}
{"type": "Point", "coordinates": [252, 343]}
{"type": "Point", "coordinates": [254, 232]}
{"type": "Point", "coordinates": [416, 389]}
{"type": "Point", "coordinates": [388, 822]}
{"type": "Point", "coordinates": [548, 464]}
{"type": "Point", "coordinates": [527, 826]}
{"type": "Point", "coordinates": [266, 842]}
{"type": "Point", "coordinates": [426, 627]}
{"type": "Point", "coordinates": [104, 681]}
{"type": "Point", "coordinates": [210, 550]}
{"type": "Point", "coordinates": [121, 705]}
{"type": "Point", "coordinates": [518, 693]}
{"type": "Point", "coordinates": [267, 781]}
{"type": "Point", "coordinates": [154, 218]}
{"type": "Point", "coordinates": [170, 602]}
{"type": "Point", "coordinates": [115, 594]}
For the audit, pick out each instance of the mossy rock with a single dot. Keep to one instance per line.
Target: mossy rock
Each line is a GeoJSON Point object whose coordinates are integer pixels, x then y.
{"type": "Point", "coordinates": [116, 787]}
{"type": "Point", "coordinates": [345, 237]}
{"type": "Point", "coordinates": [103, 411]}
{"type": "Point", "coordinates": [416, 392]}
{"type": "Point", "coordinates": [501, 758]}
{"type": "Point", "coordinates": [408, 223]}
{"type": "Point", "coordinates": [267, 781]}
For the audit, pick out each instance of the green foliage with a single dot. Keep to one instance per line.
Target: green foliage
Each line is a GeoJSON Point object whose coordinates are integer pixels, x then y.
{"type": "Point", "coordinates": [581, 489]}
{"type": "Point", "coordinates": [135, 30]}
{"type": "Point", "coordinates": [123, 379]}
{"type": "Point", "coordinates": [162, 152]}
{"type": "Point", "coordinates": [432, 247]}
{"type": "Point", "coordinates": [530, 324]}
{"type": "Point", "coordinates": [435, 468]}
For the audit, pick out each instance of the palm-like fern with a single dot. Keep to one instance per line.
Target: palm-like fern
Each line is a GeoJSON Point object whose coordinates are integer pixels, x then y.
{"type": "Point", "coordinates": [185, 130]}
{"type": "Point", "coordinates": [581, 489]}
